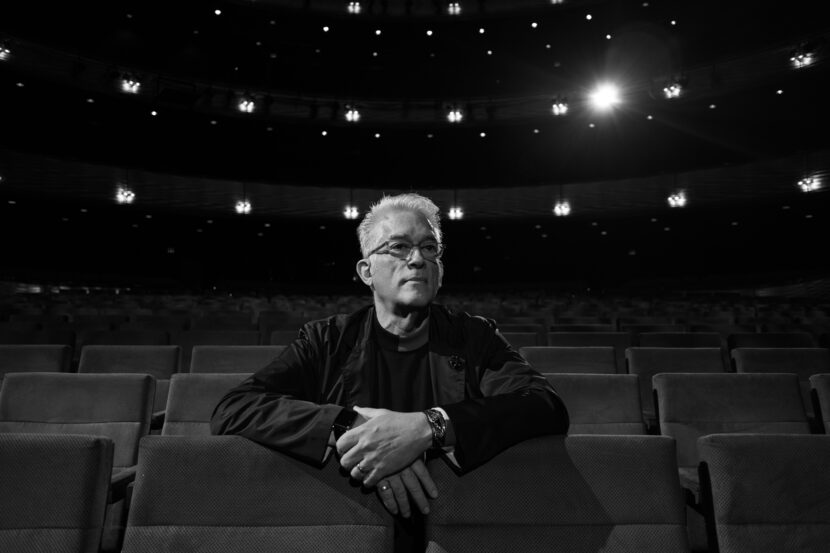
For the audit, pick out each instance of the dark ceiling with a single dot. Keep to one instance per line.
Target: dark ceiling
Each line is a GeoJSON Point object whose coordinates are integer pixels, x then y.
{"type": "Point", "coordinates": [70, 120]}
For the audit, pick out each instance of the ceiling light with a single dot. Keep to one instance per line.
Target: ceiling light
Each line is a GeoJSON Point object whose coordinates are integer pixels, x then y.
{"type": "Point", "coordinates": [243, 207]}
{"type": "Point", "coordinates": [246, 105]}
{"type": "Point", "coordinates": [429, 32]}
{"type": "Point", "coordinates": [454, 8]}
{"type": "Point", "coordinates": [217, 12]}
{"type": "Point", "coordinates": [534, 25]}
{"type": "Point", "coordinates": [354, 7]}
{"type": "Point", "coordinates": [124, 195]}
{"type": "Point", "coordinates": [481, 30]}
{"type": "Point", "coordinates": [559, 107]}
{"type": "Point", "coordinates": [324, 133]}
{"type": "Point", "coordinates": [589, 17]}
{"type": "Point", "coordinates": [802, 57]}
{"type": "Point", "coordinates": [4, 52]}
{"type": "Point", "coordinates": [482, 134]}
{"type": "Point", "coordinates": [454, 115]}
{"type": "Point", "coordinates": [377, 32]}
{"type": "Point", "coordinates": [326, 29]}
{"type": "Point", "coordinates": [605, 96]}
{"type": "Point", "coordinates": [154, 113]}
{"type": "Point", "coordinates": [377, 135]}
{"type": "Point", "coordinates": [130, 85]}
{"type": "Point", "coordinates": [779, 91]}
{"type": "Point", "coordinates": [673, 22]}
{"type": "Point", "coordinates": [456, 213]}
{"type": "Point", "coordinates": [352, 115]}
{"type": "Point", "coordinates": [677, 200]}
{"type": "Point", "coordinates": [608, 37]}
{"type": "Point", "coordinates": [351, 212]}
{"type": "Point", "coordinates": [562, 209]}
{"type": "Point", "coordinates": [809, 184]}
{"type": "Point", "coordinates": [672, 90]}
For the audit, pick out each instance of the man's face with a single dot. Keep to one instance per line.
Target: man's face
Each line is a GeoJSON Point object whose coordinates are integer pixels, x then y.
{"type": "Point", "coordinates": [411, 282]}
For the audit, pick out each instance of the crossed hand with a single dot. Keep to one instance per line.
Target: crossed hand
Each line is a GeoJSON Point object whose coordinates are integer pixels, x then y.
{"type": "Point", "coordinates": [384, 448]}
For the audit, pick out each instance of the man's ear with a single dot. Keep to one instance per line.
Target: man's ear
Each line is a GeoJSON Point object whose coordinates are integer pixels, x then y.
{"type": "Point", "coordinates": [364, 271]}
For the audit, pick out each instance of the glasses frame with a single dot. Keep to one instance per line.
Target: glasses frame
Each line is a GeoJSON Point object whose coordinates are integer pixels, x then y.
{"type": "Point", "coordinates": [441, 249]}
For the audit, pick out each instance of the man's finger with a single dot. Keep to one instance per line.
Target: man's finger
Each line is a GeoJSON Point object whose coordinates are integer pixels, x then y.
{"type": "Point", "coordinates": [369, 412]}
{"type": "Point", "coordinates": [387, 496]}
{"type": "Point", "coordinates": [347, 441]}
{"type": "Point", "coordinates": [427, 483]}
{"type": "Point", "coordinates": [399, 491]}
{"type": "Point", "coordinates": [414, 486]}
{"type": "Point", "coordinates": [375, 475]}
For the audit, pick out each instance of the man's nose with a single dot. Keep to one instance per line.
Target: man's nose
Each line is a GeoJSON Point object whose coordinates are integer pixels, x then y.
{"type": "Point", "coordinates": [415, 257]}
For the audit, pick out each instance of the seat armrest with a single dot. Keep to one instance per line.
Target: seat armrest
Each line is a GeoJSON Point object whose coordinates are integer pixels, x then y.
{"type": "Point", "coordinates": [119, 483]}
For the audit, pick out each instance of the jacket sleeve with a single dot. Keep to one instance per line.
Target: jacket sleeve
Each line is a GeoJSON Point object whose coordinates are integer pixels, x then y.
{"type": "Point", "coordinates": [278, 406]}
{"type": "Point", "coordinates": [516, 403]}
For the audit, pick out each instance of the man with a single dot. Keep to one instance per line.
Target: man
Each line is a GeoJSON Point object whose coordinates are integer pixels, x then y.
{"type": "Point", "coordinates": [395, 379]}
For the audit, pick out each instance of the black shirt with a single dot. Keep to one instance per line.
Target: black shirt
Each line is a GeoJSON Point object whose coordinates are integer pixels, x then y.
{"type": "Point", "coordinates": [403, 379]}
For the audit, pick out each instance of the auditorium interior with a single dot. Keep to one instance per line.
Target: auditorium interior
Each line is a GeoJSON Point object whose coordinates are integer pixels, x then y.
{"type": "Point", "coordinates": [635, 192]}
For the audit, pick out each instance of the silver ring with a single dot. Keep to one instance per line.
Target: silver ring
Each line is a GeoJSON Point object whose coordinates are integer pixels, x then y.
{"type": "Point", "coordinates": [383, 487]}
{"type": "Point", "coordinates": [360, 470]}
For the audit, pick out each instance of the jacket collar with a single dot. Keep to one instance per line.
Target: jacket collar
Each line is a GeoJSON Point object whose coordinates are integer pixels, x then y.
{"type": "Point", "coordinates": [446, 361]}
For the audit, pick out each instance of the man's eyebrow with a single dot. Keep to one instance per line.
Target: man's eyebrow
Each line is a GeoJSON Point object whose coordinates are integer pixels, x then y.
{"type": "Point", "coordinates": [406, 237]}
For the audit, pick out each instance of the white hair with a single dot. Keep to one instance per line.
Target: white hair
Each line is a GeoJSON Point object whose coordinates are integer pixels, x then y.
{"type": "Point", "coordinates": [406, 202]}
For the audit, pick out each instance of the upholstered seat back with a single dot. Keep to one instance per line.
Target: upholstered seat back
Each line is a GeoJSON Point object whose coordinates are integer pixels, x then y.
{"type": "Point", "coordinates": [53, 492]}
{"type": "Point", "coordinates": [238, 497]}
{"type": "Point", "coordinates": [562, 359]}
{"type": "Point", "coordinates": [601, 403]}
{"type": "Point", "coordinates": [192, 399]}
{"type": "Point", "coordinates": [117, 406]}
{"type": "Point", "coordinates": [580, 494]}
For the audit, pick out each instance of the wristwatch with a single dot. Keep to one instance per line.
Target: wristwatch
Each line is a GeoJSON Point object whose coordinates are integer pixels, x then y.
{"type": "Point", "coordinates": [438, 425]}
{"type": "Point", "coordinates": [343, 423]}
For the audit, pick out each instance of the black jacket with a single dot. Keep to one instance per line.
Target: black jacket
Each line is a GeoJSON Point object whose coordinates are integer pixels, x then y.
{"type": "Point", "coordinates": [493, 397]}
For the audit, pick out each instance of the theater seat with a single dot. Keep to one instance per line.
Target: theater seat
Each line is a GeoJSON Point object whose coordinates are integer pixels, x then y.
{"type": "Point", "coordinates": [232, 359]}
{"type": "Point", "coordinates": [769, 492]}
{"type": "Point", "coordinates": [192, 399]}
{"type": "Point", "coordinates": [34, 358]}
{"type": "Point", "coordinates": [159, 361]}
{"type": "Point", "coordinates": [680, 340]}
{"type": "Point", "coordinates": [228, 494]}
{"type": "Point", "coordinates": [803, 362]}
{"type": "Point", "coordinates": [555, 359]}
{"type": "Point", "coordinates": [115, 406]}
{"type": "Point", "coordinates": [694, 405]}
{"type": "Point", "coordinates": [580, 494]}
{"type": "Point", "coordinates": [646, 362]}
{"type": "Point", "coordinates": [53, 492]}
{"type": "Point", "coordinates": [189, 338]}
{"type": "Point", "coordinates": [618, 340]}
{"type": "Point", "coordinates": [601, 403]}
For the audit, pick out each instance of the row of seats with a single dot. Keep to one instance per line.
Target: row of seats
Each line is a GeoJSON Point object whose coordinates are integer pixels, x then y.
{"type": "Point", "coordinates": [582, 494]}
{"type": "Point", "coordinates": [162, 362]}
{"type": "Point", "coordinates": [663, 339]}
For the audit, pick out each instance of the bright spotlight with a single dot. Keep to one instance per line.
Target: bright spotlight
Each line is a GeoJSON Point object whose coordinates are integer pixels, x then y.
{"type": "Point", "coordinates": [246, 105]}
{"type": "Point", "coordinates": [802, 56]}
{"type": "Point", "coordinates": [4, 53]}
{"type": "Point", "coordinates": [354, 7]}
{"type": "Point", "coordinates": [454, 8]}
{"type": "Point", "coordinates": [677, 200]}
{"type": "Point", "coordinates": [605, 96]}
{"type": "Point", "coordinates": [456, 213]}
{"type": "Point", "coordinates": [130, 85]}
{"type": "Point", "coordinates": [124, 195]}
{"type": "Point", "coordinates": [809, 184]}
{"type": "Point", "coordinates": [243, 207]}
{"type": "Point", "coordinates": [351, 212]}
{"type": "Point", "coordinates": [562, 209]}
{"type": "Point", "coordinates": [559, 107]}
{"type": "Point", "coordinates": [672, 90]}
{"type": "Point", "coordinates": [352, 115]}
{"type": "Point", "coordinates": [455, 115]}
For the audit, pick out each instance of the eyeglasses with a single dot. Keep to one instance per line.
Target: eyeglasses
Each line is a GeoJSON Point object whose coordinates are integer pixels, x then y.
{"type": "Point", "coordinates": [430, 249]}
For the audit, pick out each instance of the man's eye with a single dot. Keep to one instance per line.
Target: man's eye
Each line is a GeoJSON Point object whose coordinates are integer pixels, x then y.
{"type": "Point", "coordinates": [430, 248]}
{"type": "Point", "coordinates": [398, 246]}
